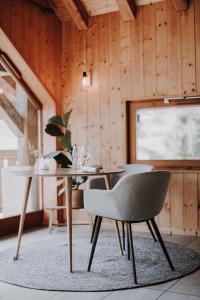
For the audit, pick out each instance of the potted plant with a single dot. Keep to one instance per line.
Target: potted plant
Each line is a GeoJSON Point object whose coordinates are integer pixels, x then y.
{"type": "Point", "coordinates": [58, 126]}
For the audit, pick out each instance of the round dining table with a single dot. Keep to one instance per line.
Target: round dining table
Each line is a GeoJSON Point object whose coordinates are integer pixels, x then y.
{"type": "Point", "coordinates": [67, 174]}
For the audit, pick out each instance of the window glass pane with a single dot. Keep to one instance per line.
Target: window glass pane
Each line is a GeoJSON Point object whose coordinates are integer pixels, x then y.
{"type": "Point", "coordinates": [169, 133]}
{"type": "Point", "coordinates": [19, 138]}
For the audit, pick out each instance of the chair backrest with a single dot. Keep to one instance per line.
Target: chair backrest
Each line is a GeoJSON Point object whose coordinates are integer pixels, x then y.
{"type": "Point", "coordinates": [130, 169]}
{"type": "Point", "coordinates": [141, 196]}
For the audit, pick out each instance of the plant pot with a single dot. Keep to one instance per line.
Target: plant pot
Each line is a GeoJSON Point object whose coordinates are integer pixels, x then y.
{"type": "Point", "coordinates": [77, 199]}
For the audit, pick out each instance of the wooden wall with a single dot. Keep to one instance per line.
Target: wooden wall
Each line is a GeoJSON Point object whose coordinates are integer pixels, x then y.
{"type": "Point", "coordinates": [158, 54]}
{"type": "Point", "coordinates": [37, 37]}
{"type": "Point", "coordinates": [181, 213]}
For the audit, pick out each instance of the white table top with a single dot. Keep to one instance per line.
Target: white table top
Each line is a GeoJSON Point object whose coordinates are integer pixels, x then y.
{"type": "Point", "coordinates": [64, 172]}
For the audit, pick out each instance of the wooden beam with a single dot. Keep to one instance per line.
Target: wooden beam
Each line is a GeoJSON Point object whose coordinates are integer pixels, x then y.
{"type": "Point", "coordinates": [181, 5]}
{"type": "Point", "coordinates": [127, 9]}
{"type": "Point", "coordinates": [10, 81]}
{"type": "Point", "coordinates": [8, 90]}
{"type": "Point", "coordinates": [78, 13]}
{"type": "Point", "coordinates": [2, 68]}
{"type": "Point", "coordinates": [3, 73]}
{"type": "Point", "coordinates": [43, 5]}
{"type": "Point", "coordinates": [11, 112]}
{"type": "Point", "coordinates": [7, 63]}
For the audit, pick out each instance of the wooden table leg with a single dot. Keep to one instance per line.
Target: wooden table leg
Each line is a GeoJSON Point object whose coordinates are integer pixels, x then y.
{"type": "Point", "coordinates": [68, 186]}
{"type": "Point", "coordinates": [22, 218]}
{"type": "Point", "coordinates": [109, 187]}
{"type": "Point", "coordinates": [108, 182]}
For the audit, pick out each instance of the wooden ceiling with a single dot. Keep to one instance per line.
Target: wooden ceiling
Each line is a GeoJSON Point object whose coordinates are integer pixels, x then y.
{"type": "Point", "coordinates": [81, 11]}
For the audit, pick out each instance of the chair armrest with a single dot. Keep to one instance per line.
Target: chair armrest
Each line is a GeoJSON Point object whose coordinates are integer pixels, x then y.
{"type": "Point", "coordinates": [100, 203]}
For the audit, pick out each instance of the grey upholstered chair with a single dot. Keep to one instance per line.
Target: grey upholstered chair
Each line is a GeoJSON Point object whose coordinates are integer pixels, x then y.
{"type": "Point", "coordinates": [99, 183]}
{"type": "Point", "coordinates": [135, 198]}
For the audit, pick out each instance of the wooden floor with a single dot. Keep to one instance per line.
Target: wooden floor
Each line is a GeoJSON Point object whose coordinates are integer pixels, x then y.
{"type": "Point", "coordinates": [187, 288]}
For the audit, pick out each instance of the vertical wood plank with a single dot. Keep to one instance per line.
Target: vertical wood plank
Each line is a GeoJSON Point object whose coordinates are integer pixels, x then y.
{"type": "Point", "coordinates": [34, 52]}
{"type": "Point", "coordinates": [125, 43]}
{"type": "Point", "coordinates": [104, 89]}
{"type": "Point", "coordinates": [66, 66]}
{"type": "Point", "coordinates": [198, 200]}
{"type": "Point", "coordinates": [80, 98]}
{"type": "Point", "coordinates": [125, 40]}
{"type": "Point", "coordinates": [190, 202]}
{"type": "Point", "coordinates": [115, 95]}
{"type": "Point", "coordinates": [188, 51]}
{"type": "Point", "coordinates": [58, 51]}
{"type": "Point", "coordinates": [176, 198]}
{"type": "Point", "coordinates": [161, 49]}
{"type": "Point", "coordinates": [149, 40]}
{"type": "Point", "coordinates": [197, 44]}
{"type": "Point", "coordinates": [49, 55]}
{"type": "Point", "coordinates": [137, 56]}
{"type": "Point", "coordinates": [93, 92]}
{"type": "Point", "coordinates": [174, 50]}
{"type": "Point", "coordinates": [75, 83]}
{"type": "Point", "coordinates": [164, 218]}
{"type": "Point", "coordinates": [24, 35]}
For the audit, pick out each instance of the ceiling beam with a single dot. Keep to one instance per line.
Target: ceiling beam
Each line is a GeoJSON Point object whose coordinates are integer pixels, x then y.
{"type": "Point", "coordinates": [127, 9]}
{"type": "Point", "coordinates": [11, 112]}
{"type": "Point", "coordinates": [181, 5]}
{"type": "Point", "coordinates": [76, 10]}
{"type": "Point", "coordinates": [43, 5]}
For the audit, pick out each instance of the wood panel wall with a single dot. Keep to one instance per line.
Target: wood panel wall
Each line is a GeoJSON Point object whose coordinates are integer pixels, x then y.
{"type": "Point", "coordinates": [155, 55]}
{"type": "Point", "coordinates": [37, 37]}
{"type": "Point", "coordinates": [181, 213]}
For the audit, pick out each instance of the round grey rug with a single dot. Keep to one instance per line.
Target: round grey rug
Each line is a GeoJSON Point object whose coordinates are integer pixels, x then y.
{"type": "Point", "coordinates": [44, 265]}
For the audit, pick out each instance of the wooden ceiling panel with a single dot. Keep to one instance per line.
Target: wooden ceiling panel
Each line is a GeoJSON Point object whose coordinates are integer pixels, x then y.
{"type": "Point", "coordinates": [145, 2]}
{"type": "Point", "coordinates": [99, 7]}
{"type": "Point", "coordinates": [80, 10]}
{"type": "Point", "coordinates": [71, 9]}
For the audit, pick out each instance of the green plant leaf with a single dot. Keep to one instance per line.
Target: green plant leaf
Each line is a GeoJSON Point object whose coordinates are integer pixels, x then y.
{"type": "Point", "coordinates": [56, 120]}
{"type": "Point", "coordinates": [65, 141]}
{"type": "Point", "coordinates": [66, 117]}
{"type": "Point", "coordinates": [63, 160]}
{"type": "Point", "coordinates": [53, 130]}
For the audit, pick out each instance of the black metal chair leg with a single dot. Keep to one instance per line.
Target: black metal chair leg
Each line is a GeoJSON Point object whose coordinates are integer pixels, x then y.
{"type": "Point", "coordinates": [151, 230]}
{"type": "Point", "coordinates": [119, 237]}
{"type": "Point", "coordinates": [96, 234]}
{"type": "Point", "coordinates": [162, 243]}
{"type": "Point", "coordinates": [93, 229]}
{"type": "Point", "coordinates": [128, 245]}
{"type": "Point", "coordinates": [132, 252]}
{"type": "Point", "coordinates": [123, 237]}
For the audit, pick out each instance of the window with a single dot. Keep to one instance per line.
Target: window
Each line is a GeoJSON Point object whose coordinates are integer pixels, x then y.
{"type": "Point", "coordinates": [165, 135]}
{"type": "Point", "coordinates": [19, 140]}
{"type": "Point", "coordinates": [168, 133]}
